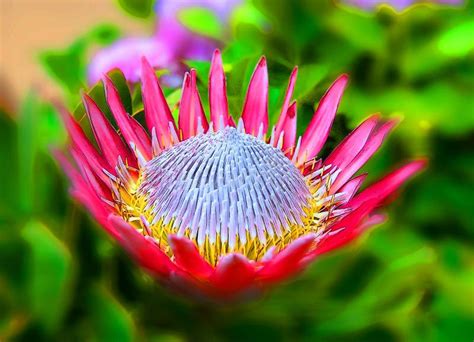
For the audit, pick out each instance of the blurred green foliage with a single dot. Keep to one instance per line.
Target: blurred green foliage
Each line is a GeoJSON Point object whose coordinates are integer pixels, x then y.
{"type": "Point", "coordinates": [137, 8]}
{"type": "Point", "coordinates": [412, 279]}
{"type": "Point", "coordinates": [68, 66]}
{"type": "Point", "coordinates": [202, 21]}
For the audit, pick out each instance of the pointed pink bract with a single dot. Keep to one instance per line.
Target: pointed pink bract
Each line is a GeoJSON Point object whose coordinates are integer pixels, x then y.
{"type": "Point", "coordinates": [318, 130]}
{"type": "Point", "coordinates": [191, 114]}
{"type": "Point", "coordinates": [233, 274]}
{"type": "Point", "coordinates": [82, 191]}
{"type": "Point", "coordinates": [387, 185]}
{"type": "Point", "coordinates": [157, 112]}
{"type": "Point", "coordinates": [100, 188]}
{"type": "Point", "coordinates": [286, 103]}
{"type": "Point", "coordinates": [373, 143]}
{"type": "Point", "coordinates": [352, 186]}
{"type": "Point", "coordinates": [144, 250]}
{"type": "Point", "coordinates": [346, 229]}
{"type": "Point", "coordinates": [289, 129]}
{"type": "Point", "coordinates": [255, 112]}
{"type": "Point", "coordinates": [286, 262]}
{"type": "Point", "coordinates": [188, 258]}
{"type": "Point", "coordinates": [107, 138]}
{"type": "Point", "coordinates": [217, 93]}
{"type": "Point", "coordinates": [80, 140]}
{"type": "Point", "coordinates": [346, 151]}
{"type": "Point", "coordinates": [132, 133]}
{"type": "Point", "coordinates": [372, 220]}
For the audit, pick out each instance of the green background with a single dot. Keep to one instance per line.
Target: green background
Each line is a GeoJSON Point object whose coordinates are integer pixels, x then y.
{"type": "Point", "coordinates": [410, 279]}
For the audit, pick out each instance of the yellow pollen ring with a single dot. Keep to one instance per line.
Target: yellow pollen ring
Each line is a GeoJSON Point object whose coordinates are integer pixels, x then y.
{"type": "Point", "coordinates": [229, 192]}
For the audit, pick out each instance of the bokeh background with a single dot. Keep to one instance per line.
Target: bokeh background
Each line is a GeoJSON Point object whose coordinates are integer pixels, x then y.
{"type": "Point", "coordinates": [410, 279]}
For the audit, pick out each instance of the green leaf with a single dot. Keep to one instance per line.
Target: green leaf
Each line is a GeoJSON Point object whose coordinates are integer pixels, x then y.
{"type": "Point", "coordinates": [50, 127]}
{"type": "Point", "coordinates": [137, 100]}
{"type": "Point", "coordinates": [362, 32]}
{"type": "Point", "coordinates": [68, 66]}
{"type": "Point", "coordinates": [50, 274]}
{"type": "Point", "coordinates": [275, 96]}
{"type": "Point", "coordinates": [458, 41]}
{"type": "Point", "coordinates": [173, 101]}
{"type": "Point", "coordinates": [202, 21]}
{"type": "Point", "coordinates": [309, 76]}
{"type": "Point", "coordinates": [39, 129]}
{"type": "Point", "coordinates": [249, 14]}
{"type": "Point", "coordinates": [110, 321]}
{"type": "Point", "coordinates": [137, 8]}
{"type": "Point", "coordinates": [27, 147]}
{"type": "Point", "coordinates": [104, 34]}
{"type": "Point", "coordinates": [383, 300]}
{"type": "Point", "coordinates": [9, 192]}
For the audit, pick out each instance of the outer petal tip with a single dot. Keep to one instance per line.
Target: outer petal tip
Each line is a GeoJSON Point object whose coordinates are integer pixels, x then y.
{"type": "Point", "coordinates": [219, 111]}
{"type": "Point", "coordinates": [145, 67]}
{"type": "Point", "coordinates": [338, 86]}
{"type": "Point", "coordinates": [147, 70]}
{"type": "Point", "coordinates": [343, 79]}
{"type": "Point", "coordinates": [419, 164]}
{"type": "Point", "coordinates": [145, 63]}
{"type": "Point", "coordinates": [391, 123]}
{"type": "Point", "coordinates": [318, 130]}
{"type": "Point", "coordinates": [234, 273]}
{"type": "Point", "coordinates": [288, 261]}
{"type": "Point", "coordinates": [86, 99]}
{"type": "Point", "coordinates": [385, 187]}
{"type": "Point", "coordinates": [186, 79]}
{"type": "Point", "coordinates": [292, 110]}
{"type": "Point", "coordinates": [255, 111]}
{"type": "Point", "coordinates": [144, 250]}
{"type": "Point", "coordinates": [107, 81]}
{"type": "Point", "coordinates": [187, 256]}
{"type": "Point", "coordinates": [175, 240]}
{"type": "Point", "coordinates": [217, 55]}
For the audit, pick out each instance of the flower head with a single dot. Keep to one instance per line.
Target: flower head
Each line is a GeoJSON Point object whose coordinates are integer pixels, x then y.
{"type": "Point", "coordinates": [223, 209]}
{"type": "Point", "coordinates": [170, 44]}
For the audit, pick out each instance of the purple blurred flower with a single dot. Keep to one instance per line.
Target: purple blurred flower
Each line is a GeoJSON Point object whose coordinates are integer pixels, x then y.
{"type": "Point", "coordinates": [171, 43]}
{"type": "Point", "coordinates": [399, 5]}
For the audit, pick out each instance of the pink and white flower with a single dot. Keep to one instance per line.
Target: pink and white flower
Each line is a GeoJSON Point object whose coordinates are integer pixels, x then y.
{"type": "Point", "coordinates": [222, 209]}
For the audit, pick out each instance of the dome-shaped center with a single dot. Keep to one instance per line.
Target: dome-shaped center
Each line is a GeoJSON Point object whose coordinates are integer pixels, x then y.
{"type": "Point", "coordinates": [227, 186]}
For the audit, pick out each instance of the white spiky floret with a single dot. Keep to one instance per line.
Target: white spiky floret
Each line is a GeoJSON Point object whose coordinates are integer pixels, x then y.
{"type": "Point", "coordinates": [224, 184]}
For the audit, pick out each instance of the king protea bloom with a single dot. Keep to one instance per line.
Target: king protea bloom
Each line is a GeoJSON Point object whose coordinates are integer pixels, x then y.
{"type": "Point", "coordinates": [223, 208]}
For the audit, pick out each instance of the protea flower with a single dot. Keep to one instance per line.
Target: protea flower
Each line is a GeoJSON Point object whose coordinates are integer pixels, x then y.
{"type": "Point", "coordinates": [223, 209]}
{"type": "Point", "coordinates": [167, 48]}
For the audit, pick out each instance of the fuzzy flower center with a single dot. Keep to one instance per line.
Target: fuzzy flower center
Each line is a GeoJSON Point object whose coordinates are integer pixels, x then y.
{"type": "Point", "coordinates": [229, 192]}
{"type": "Point", "coordinates": [219, 186]}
